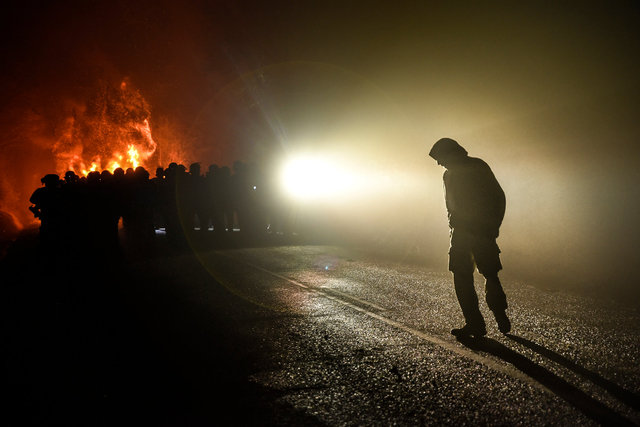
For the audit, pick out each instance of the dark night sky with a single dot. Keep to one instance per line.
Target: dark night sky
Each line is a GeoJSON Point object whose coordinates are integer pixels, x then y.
{"type": "Point", "coordinates": [548, 95]}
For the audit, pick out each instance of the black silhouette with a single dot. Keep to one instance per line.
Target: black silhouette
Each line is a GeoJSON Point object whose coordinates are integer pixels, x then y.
{"type": "Point", "coordinates": [212, 212]}
{"type": "Point", "coordinates": [73, 199]}
{"type": "Point", "coordinates": [194, 199]}
{"type": "Point", "coordinates": [172, 200]}
{"type": "Point", "coordinates": [224, 191]}
{"type": "Point", "coordinates": [142, 202]}
{"type": "Point", "coordinates": [47, 207]}
{"type": "Point", "coordinates": [476, 205]}
{"type": "Point", "coordinates": [157, 186]}
{"type": "Point", "coordinates": [81, 216]}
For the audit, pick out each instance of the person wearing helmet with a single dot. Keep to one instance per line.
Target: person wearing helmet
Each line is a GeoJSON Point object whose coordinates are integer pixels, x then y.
{"type": "Point", "coordinates": [46, 206]}
{"type": "Point", "coordinates": [475, 205]}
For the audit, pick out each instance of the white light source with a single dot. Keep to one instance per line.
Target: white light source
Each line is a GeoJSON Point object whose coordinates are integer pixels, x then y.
{"type": "Point", "coordinates": [308, 177]}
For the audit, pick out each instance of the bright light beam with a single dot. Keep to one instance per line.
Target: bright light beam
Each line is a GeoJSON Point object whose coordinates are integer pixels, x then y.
{"type": "Point", "coordinates": [313, 178]}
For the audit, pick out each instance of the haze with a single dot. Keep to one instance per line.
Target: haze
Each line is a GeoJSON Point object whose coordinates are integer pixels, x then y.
{"type": "Point", "coordinates": [547, 95]}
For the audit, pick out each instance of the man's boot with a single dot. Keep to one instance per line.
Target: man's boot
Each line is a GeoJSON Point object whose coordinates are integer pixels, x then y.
{"type": "Point", "coordinates": [466, 293]}
{"type": "Point", "coordinates": [504, 324]}
{"type": "Point", "coordinates": [475, 330]}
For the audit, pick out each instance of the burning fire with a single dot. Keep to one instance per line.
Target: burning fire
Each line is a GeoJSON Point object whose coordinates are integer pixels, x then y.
{"type": "Point", "coordinates": [112, 131]}
{"type": "Point", "coordinates": [88, 127]}
{"type": "Point", "coordinates": [117, 161]}
{"type": "Point", "coordinates": [133, 156]}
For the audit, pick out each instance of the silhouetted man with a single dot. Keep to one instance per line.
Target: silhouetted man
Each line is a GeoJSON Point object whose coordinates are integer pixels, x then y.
{"type": "Point", "coordinates": [47, 207]}
{"type": "Point", "coordinates": [475, 205]}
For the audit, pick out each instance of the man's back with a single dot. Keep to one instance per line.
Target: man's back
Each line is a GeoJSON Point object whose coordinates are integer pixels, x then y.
{"type": "Point", "coordinates": [475, 201]}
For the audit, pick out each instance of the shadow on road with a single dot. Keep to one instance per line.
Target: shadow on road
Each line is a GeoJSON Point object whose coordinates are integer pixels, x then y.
{"type": "Point", "coordinates": [625, 396]}
{"type": "Point", "coordinates": [589, 406]}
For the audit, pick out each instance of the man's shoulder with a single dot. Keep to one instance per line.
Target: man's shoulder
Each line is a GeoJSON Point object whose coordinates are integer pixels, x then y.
{"type": "Point", "coordinates": [475, 161]}
{"type": "Point", "coordinates": [39, 191]}
{"type": "Point", "coordinates": [478, 165]}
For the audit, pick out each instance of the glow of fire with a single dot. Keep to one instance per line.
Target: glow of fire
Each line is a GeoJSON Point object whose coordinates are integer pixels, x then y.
{"type": "Point", "coordinates": [133, 156]}
{"type": "Point", "coordinates": [113, 166]}
{"type": "Point", "coordinates": [118, 161]}
{"type": "Point", "coordinates": [93, 168]}
{"type": "Point", "coordinates": [130, 141]}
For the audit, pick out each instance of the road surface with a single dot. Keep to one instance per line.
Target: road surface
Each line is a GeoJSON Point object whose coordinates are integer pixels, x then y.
{"type": "Point", "coordinates": [304, 335]}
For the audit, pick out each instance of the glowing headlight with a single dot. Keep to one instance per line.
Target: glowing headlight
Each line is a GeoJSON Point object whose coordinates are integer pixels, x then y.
{"type": "Point", "coordinates": [313, 178]}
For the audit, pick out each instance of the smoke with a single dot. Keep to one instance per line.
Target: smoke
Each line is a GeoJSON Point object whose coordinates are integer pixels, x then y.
{"type": "Point", "coordinates": [103, 130]}
{"type": "Point", "coordinates": [75, 133]}
{"type": "Point", "coordinates": [77, 90]}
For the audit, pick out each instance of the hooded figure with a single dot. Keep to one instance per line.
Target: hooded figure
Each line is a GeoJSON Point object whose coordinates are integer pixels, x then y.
{"type": "Point", "coordinates": [475, 206]}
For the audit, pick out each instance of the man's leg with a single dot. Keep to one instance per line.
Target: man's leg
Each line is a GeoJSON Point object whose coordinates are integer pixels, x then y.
{"type": "Point", "coordinates": [462, 266]}
{"type": "Point", "coordinates": [487, 256]}
{"type": "Point", "coordinates": [497, 301]}
{"type": "Point", "coordinates": [468, 300]}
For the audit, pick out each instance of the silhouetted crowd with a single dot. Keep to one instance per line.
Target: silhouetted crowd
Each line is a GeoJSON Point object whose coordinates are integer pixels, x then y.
{"type": "Point", "coordinates": [84, 213]}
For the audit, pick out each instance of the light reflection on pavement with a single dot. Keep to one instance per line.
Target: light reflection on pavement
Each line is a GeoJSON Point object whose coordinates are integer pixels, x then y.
{"type": "Point", "coordinates": [368, 342]}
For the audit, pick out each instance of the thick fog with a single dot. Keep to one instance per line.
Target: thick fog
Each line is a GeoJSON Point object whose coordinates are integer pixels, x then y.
{"type": "Point", "coordinates": [548, 96]}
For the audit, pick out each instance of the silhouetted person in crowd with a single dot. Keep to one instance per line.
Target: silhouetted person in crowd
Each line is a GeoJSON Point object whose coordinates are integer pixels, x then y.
{"type": "Point", "coordinates": [244, 184]}
{"type": "Point", "coordinates": [159, 174]}
{"type": "Point", "coordinates": [47, 207]}
{"type": "Point", "coordinates": [72, 194]}
{"type": "Point", "coordinates": [93, 210]}
{"type": "Point", "coordinates": [70, 178]}
{"type": "Point", "coordinates": [142, 203]}
{"type": "Point", "coordinates": [158, 210]}
{"type": "Point", "coordinates": [225, 194]}
{"type": "Point", "coordinates": [257, 200]}
{"type": "Point", "coordinates": [120, 188]}
{"type": "Point", "coordinates": [238, 186]}
{"type": "Point", "coordinates": [108, 215]}
{"type": "Point", "coordinates": [212, 204]}
{"type": "Point", "coordinates": [80, 215]}
{"type": "Point", "coordinates": [171, 200]}
{"type": "Point", "coordinates": [194, 199]}
{"type": "Point", "coordinates": [476, 205]}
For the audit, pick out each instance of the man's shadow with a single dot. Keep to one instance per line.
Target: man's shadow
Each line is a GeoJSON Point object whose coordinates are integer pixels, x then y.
{"type": "Point", "coordinates": [591, 407]}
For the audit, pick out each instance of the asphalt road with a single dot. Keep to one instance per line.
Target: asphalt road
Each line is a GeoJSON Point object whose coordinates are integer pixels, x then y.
{"type": "Point", "coordinates": [290, 334]}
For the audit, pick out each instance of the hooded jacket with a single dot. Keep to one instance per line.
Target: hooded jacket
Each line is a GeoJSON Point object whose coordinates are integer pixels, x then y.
{"type": "Point", "coordinates": [475, 201]}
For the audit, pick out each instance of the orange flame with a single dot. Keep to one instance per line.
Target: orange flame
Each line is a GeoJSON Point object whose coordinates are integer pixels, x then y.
{"type": "Point", "coordinates": [117, 161]}
{"type": "Point", "coordinates": [113, 122]}
{"type": "Point", "coordinates": [133, 156]}
{"type": "Point", "coordinates": [93, 168]}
